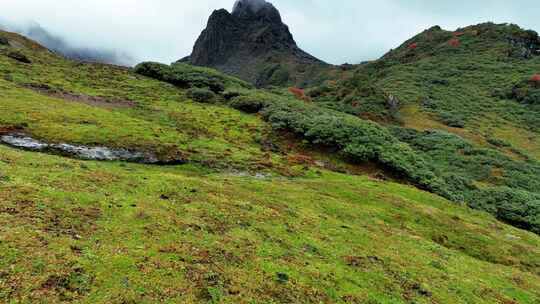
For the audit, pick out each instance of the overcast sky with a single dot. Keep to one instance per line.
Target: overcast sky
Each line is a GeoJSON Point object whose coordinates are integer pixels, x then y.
{"type": "Point", "coordinates": [336, 31]}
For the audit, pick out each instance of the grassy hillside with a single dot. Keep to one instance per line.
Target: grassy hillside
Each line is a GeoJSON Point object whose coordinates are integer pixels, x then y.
{"type": "Point", "coordinates": [128, 233]}
{"type": "Point", "coordinates": [466, 102]}
{"type": "Point", "coordinates": [459, 81]}
{"type": "Point", "coordinates": [255, 216]}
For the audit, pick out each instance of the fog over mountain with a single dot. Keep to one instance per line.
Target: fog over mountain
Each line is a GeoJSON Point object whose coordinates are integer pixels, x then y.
{"type": "Point", "coordinates": [165, 30]}
{"type": "Point", "coordinates": [254, 5]}
{"type": "Point", "coordinates": [63, 47]}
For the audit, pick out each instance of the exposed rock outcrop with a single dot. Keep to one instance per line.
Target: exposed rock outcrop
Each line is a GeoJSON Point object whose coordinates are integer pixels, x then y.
{"type": "Point", "coordinates": [19, 57]}
{"type": "Point", "coordinates": [524, 44]}
{"type": "Point", "coordinates": [21, 141]}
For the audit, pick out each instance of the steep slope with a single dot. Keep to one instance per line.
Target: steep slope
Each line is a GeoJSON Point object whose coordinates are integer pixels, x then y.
{"type": "Point", "coordinates": [467, 102]}
{"type": "Point", "coordinates": [145, 234]}
{"type": "Point", "coordinates": [244, 220]}
{"type": "Point", "coordinates": [462, 79]}
{"type": "Point", "coordinates": [253, 44]}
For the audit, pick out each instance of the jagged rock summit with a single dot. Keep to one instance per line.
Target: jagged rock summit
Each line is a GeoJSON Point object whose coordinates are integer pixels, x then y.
{"type": "Point", "coordinates": [246, 8]}
{"type": "Point", "coordinates": [254, 44]}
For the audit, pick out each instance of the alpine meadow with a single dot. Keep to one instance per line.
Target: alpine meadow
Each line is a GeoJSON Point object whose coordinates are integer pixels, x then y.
{"type": "Point", "coordinates": [250, 171]}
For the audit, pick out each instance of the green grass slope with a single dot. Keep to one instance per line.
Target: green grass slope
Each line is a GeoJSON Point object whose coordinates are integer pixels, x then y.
{"type": "Point", "coordinates": [468, 103]}
{"type": "Point", "coordinates": [127, 233]}
{"type": "Point", "coordinates": [159, 117]}
{"type": "Point", "coordinates": [251, 218]}
{"type": "Point", "coordinates": [462, 81]}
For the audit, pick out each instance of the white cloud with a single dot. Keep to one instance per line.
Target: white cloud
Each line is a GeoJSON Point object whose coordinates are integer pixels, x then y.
{"type": "Point", "coordinates": [352, 31]}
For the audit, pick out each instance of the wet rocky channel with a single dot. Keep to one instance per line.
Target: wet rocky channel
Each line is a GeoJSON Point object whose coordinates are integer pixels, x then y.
{"type": "Point", "coordinates": [24, 142]}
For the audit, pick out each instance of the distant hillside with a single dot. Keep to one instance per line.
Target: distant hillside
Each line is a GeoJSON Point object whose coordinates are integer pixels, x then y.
{"type": "Point", "coordinates": [62, 47]}
{"type": "Point", "coordinates": [468, 102]}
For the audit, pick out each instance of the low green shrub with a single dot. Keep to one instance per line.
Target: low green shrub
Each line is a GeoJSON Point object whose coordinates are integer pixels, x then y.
{"type": "Point", "coordinates": [181, 75]}
{"type": "Point", "coordinates": [434, 160]}
{"type": "Point", "coordinates": [248, 103]}
{"type": "Point", "coordinates": [201, 95]}
{"type": "Point", "coordinates": [460, 165]}
{"type": "Point", "coordinates": [454, 120]}
{"type": "Point", "coordinates": [273, 74]}
{"type": "Point", "coordinates": [516, 207]}
{"type": "Point", "coordinates": [318, 91]}
{"type": "Point", "coordinates": [526, 92]}
{"type": "Point", "coordinates": [229, 95]}
{"type": "Point", "coordinates": [356, 139]}
{"type": "Point", "coordinates": [498, 142]}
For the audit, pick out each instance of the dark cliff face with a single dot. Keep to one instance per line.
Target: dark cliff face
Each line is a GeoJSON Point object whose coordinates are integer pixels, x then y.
{"type": "Point", "coordinates": [252, 44]}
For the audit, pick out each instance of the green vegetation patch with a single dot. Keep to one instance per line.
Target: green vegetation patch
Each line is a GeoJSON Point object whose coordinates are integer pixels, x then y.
{"type": "Point", "coordinates": [144, 234]}
{"type": "Point", "coordinates": [187, 76]}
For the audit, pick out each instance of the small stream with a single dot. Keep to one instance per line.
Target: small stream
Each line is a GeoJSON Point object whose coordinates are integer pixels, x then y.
{"type": "Point", "coordinates": [76, 151]}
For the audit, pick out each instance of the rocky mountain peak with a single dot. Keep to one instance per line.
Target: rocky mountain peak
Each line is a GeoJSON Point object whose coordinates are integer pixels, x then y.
{"type": "Point", "coordinates": [251, 43]}
{"type": "Point", "coordinates": [249, 5]}
{"type": "Point", "coordinates": [256, 9]}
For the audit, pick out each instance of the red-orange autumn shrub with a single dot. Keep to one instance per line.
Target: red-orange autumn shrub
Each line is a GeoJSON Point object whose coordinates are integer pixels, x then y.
{"type": "Point", "coordinates": [535, 78]}
{"type": "Point", "coordinates": [454, 42]}
{"type": "Point", "coordinates": [300, 94]}
{"type": "Point", "coordinates": [413, 46]}
{"type": "Point", "coordinates": [300, 159]}
{"type": "Point", "coordinates": [297, 92]}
